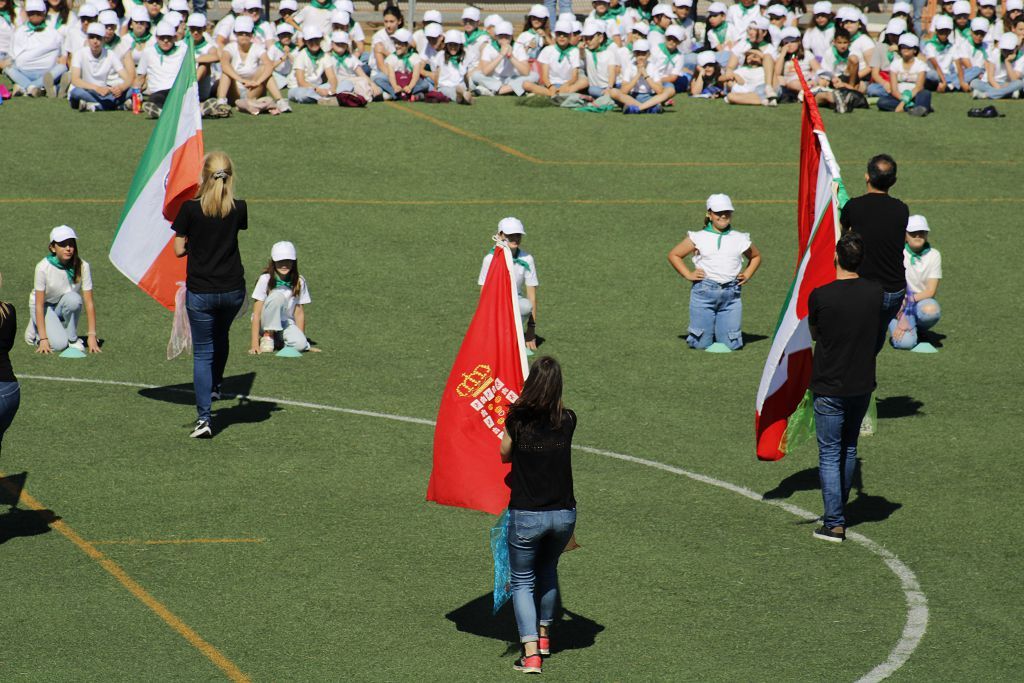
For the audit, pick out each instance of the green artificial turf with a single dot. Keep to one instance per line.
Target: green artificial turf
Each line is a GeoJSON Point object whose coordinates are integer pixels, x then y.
{"type": "Point", "coordinates": [351, 575]}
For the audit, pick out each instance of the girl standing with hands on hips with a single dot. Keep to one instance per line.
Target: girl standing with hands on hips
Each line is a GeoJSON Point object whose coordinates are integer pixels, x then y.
{"type": "Point", "coordinates": [63, 287]}
{"type": "Point", "coordinates": [716, 312]}
{"type": "Point", "coordinates": [280, 296]}
{"type": "Point", "coordinates": [541, 508]}
{"type": "Point", "coordinates": [206, 230]}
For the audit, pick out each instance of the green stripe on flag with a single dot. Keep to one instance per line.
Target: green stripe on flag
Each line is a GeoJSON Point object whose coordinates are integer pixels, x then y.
{"type": "Point", "coordinates": [806, 255]}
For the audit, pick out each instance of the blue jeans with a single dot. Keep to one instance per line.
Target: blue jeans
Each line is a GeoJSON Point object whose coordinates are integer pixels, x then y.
{"type": "Point", "coordinates": [535, 542]}
{"type": "Point", "coordinates": [422, 85]}
{"type": "Point", "coordinates": [982, 85]}
{"type": "Point", "coordinates": [837, 423]}
{"type": "Point", "coordinates": [210, 317]}
{"type": "Point", "coordinates": [556, 7]}
{"type": "Point", "coordinates": [876, 90]}
{"type": "Point", "coordinates": [33, 78]}
{"type": "Point", "coordinates": [891, 303]}
{"type": "Point", "coordinates": [107, 102]}
{"type": "Point", "coordinates": [61, 320]}
{"type": "Point", "coordinates": [926, 313]}
{"type": "Point", "coordinates": [716, 314]}
{"type": "Point", "coordinates": [10, 399]}
{"type": "Point", "coordinates": [887, 102]}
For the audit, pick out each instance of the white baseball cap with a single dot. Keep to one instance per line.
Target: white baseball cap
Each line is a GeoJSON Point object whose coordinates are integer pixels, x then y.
{"type": "Point", "coordinates": [789, 33]}
{"type": "Point", "coordinates": [909, 40]}
{"type": "Point", "coordinates": [504, 28]}
{"type": "Point", "coordinates": [454, 36]}
{"type": "Point", "coordinates": [682, 3]}
{"type": "Point", "coordinates": [776, 11]}
{"type": "Point", "coordinates": [471, 14]}
{"type": "Point", "coordinates": [591, 27]}
{"type": "Point", "coordinates": [285, 28]}
{"type": "Point", "coordinates": [510, 226]}
{"type": "Point", "coordinates": [88, 11]}
{"type": "Point", "coordinates": [432, 16]}
{"type": "Point", "coordinates": [986, 3]}
{"type": "Point", "coordinates": [917, 223]}
{"type": "Point", "coordinates": [178, 5]}
{"type": "Point", "coordinates": [563, 26]}
{"type": "Point", "coordinates": [63, 232]}
{"type": "Point", "coordinates": [566, 16]}
{"type": "Point", "coordinates": [237, 6]}
{"type": "Point", "coordinates": [197, 20]}
{"type": "Point", "coordinates": [902, 8]}
{"type": "Point", "coordinates": [662, 8]}
{"type": "Point", "coordinates": [288, 4]}
{"type": "Point", "coordinates": [961, 7]}
{"type": "Point", "coordinates": [577, 27]}
{"type": "Point", "coordinates": [95, 29]}
{"type": "Point", "coordinates": [242, 25]}
{"type": "Point", "coordinates": [823, 7]}
{"type": "Point", "coordinates": [433, 30]}
{"type": "Point", "coordinates": [492, 20]}
{"type": "Point", "coordinates": [1008, 41]}
{"type": "Point", "coordinates": [108, 17]}
{"type": "Point", "coordinates": [848, 14]}
{"type": "Point", "coordinates": [340, 38]}
{"type": "Point", "coordinates": [174, 19]}
{"type": "Point", "coordinates": [539, 11]}
{"type": "Point", "coordinates": [980, 24]}
{"type": "Point", "coordinates": [1014, 4]}
{"type": "Point", "coordinates": [140, 15]}
{"type": "Point", "coordinates": [675, 31]}
{"type": "Point", "coordinates": [716, 8]}
{"type": "Point", "coordinates": [346, 5]}
{"type": "Point", "coordinates": [942, 22]}
{"type": "Point", "coordinates": [283, 251]}
{"type": "Point", "coordinates": [312, 32]}
{"type": "Point", "coordinates": [705, 58]}
{"type": "Point", "coordinates": [719, 203]}
{"type": "Point", "coordinates": [165, 28]}
{"type": "Point", "coordinates": [340, 16]}
{"type": "Point", "coordinates": [758, 23]}
{"type": "Point", "coordinates": [641, 28]}
{"type": "Point", "coordinates": [896, 27]}
{"type": "Point", "coordinates": [641, 46]}
{"type": "Point", "coordinates": [253, 4]}
{"type": "Point", "coordinates": [35, 6]}
{"type": "Point", "coordinates": [402, 35]}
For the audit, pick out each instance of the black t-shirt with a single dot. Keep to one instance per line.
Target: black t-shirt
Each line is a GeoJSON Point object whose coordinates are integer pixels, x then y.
{"type": "Point", "coordinates": [8, 330]}
{"type": "Point", "coordinates": [541, 477]}
{"type": "Point", "coordinates": [881, 221]}
{"type": "Point", "coordinates": [845, 315]}
{"type": "Point", "coordinates": [214, 264]}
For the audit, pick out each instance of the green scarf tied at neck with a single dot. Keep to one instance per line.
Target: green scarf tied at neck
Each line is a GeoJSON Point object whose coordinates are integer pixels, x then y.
{"type": "Point", "coordinates": [562, 54]}
{"type": "Point", "coordinates": [475, 35]}
{"type": "Point", "coordinates": [938, 44]}
{"type": "Point", "coordinates": [341, 59]}
{"type": "Point", "coordinates": [644, 14]}
{"type": "Point", "coordinates": [593, 53]}
{"type": "Point", "coordinates": [166, 53]}
{"type": "Point", "coordinates": [35, 28]}
{"type": "Point", "coordinates": [841, 57]}
{"type": "Point", "coordinates": [721, 233]}
{"type": "Point", "coordinates": [916, 256]}
{"type": "Point", "coordinates": [54, 261]}
{"type": "Point", "coordinates": [669, 54]}
{"type": "Point", "coordinates": [140, 40]}
{"type": "Point", "coordinates": [322, 4]}
{"type": "Point", "coordinates": [615, 12]}
{"type": "Point", "coordinates": [721, 31]}
{"type": "Point", "coordinates": [313, 58]}
{"type": "Point", "coordinates": [278, 282]}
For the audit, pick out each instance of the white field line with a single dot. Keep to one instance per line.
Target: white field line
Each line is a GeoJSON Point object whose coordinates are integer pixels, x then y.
{"type": "Point", "coordinates": [917, 603]}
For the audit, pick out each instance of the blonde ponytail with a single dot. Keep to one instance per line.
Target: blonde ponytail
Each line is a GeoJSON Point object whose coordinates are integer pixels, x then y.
{"type": "Point", "coordinates": [217, 189]}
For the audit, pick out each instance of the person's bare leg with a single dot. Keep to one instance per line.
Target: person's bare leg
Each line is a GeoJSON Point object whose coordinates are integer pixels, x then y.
{"type": "Point", "coordinates": [744, 98]}
{"type": "Point", "coordinates": [660, 98]}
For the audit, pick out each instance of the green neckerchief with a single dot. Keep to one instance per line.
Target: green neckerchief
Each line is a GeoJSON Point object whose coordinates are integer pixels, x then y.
{"type": "Point", "coordinates": [452, 59]}
{"type": "Point", "coordinates": [278, 282]}
{"type": "Point", "coordinates": [114, 42]}
{"type": "Point", "coordinates": [139, 2]}
{"type": "Point", "coordinates": [153, 21]}
{"type": "Point", "coordinates": [855, 36]}
{"type": "Point", "coordinates": [939, 45]}
{"type": "Point", "coordinates": [314, 59]}
{"type": "Point", "coordinates": [7, 15]}
{"type": "Point", "coordinates": [52, 258]}
{"type": "Point", "coordinates": [979, 48]}
{"type": "Point", "coordinates": [615, 12]}
{"type": "Point", "coordinates": [593, 53]}
{"type": "Point", "coordinates": [966, 32]}
{"type": "Point", "coordinates": [322, 4]}
{"type": "Point", "coordinates": [644, 14]}
{"type": "Point", "coordinates": [562, 54]}
{"type": "Point", "coordinates": [669, 54]}
{"type": "Point", "coordinates": [57, 24]}
{"type": "Point", "coordinates": [36, 28]}
{"type": "Point", "coordinates": [522, 262]}
{"type": "Point", "coordinates": [916, 256]}
{"type": "Point", "coordinates": [760, 46]}
{"type": "Point", "coordinates": [196, 47]}
{"type": "Point", "coordinates": [475, 35]}
{"type": "Point", "coordinates": [141, 40]}
{"type": "Point", "coordinates": [341, 59]}
{"type": "Point", "coordinates": [721, 31]}
{"type": "Point", "coordinates": [721, 233]}
{"type": "Point", "coordinates": [165, 53]}
{"type": "Point", "coordinates": [657, 29]}
{"type": "Point", "coordinates": [744, 9]}
{"type": "Point", "coordinates": [495, 44]}
{"type": "Point", "coordinates": [841, 57]}
{"type": "Point", "coordinates": [406, 58]}
{"type": "Point", "coordinates": [829, 25]}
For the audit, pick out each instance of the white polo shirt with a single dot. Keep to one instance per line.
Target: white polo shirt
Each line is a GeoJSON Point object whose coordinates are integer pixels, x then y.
{"type": "Point", "coordinates": [642, 87]}
{"type": "Point", "coordinates": [259, 293]}
{"type": "Point", "coordinates": [560, 65]}
{"type": "Point", "coordinates": [314, 16]}
{"type": "Point", "coordinates": [860, 47]}
{"type": "Point", "coordinates": [73, 41]}
{"type": "Point", "coordinates": [347, 67]}
{"type": "Point", "coordinates": [312, 69]}
{"type": "Point", "coordinates": [666, 62]}
{"type": "Point", "coordinates": [524, 270]}
{"type": "Point", "coordinates": [160, 69]}
{"type": "Point", "coordinates": [54, 282]}
{"type": "Point", "coordinates": [505, 68]}
{"type": "Point", "coordinates": [246, 65]}
{"type": "Point", "coordinates": [977, 56]}
{"type": "Point", "coordinates": [943, 54]}
{"type": "Point", "coordinates": [923, 269]}
{"type": "Point", "coordinates": [449, 75]}
{"type": "Point", "coordinates": [599, 63]}
{"type": "Point", "coordinates": [753, 76]}
{"type": "Point", "coordinates": [95, 70]}
{"type": "Point", "coordinates": [720, 259]}
{"type": "Point", "coordinates": [382, 38]}
{"type": "Point", "coordinates": [36, 50]}
{"type": "Point", "coordinates": [818, 41]}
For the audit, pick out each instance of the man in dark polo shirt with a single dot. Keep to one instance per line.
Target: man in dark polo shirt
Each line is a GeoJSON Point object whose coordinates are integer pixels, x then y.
{"type": "Point", "coordinates": [881, 221]}
{"type": "Point", "coordinates": [843, 318]}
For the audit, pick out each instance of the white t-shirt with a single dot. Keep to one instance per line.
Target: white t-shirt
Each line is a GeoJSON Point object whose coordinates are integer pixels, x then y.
{"type": "Point", "coordinates": [666, 63]}
{"type": "Point", "coordinates": [225, 28]}
{"type": "Point", "coordinates": [449, 75]}
{"type": "Point", "coordinates": [73, 41]}
{"type": "Point", "coordinates": [753, 76]}
{"type": "Point", "coordinates": [720, 259]}
{"type": "Point", "coordinates": [347, 67]}
{"type": "Point", "coordinates": [36, 50]}
{"type": "Point", "coordinates": [406, 65]}
{"type": "Point", "coordinates": [54, 282]}
{"type": "Point", "coordinates": [505, 68]}
{"type": "Point", "coordinates": [560, 66]}
{"type": "Point", "coordinates": [95, 70]}
{"type": "Point", "coordinates": [943, 54]}
{"type": "Point", "coordinates": [743, 46]}
{"type": "Point", "coordinates": [524, 270]}
{"type": "Point", "coordinates": [975, 55]}
{"type": "Point", "coordinates": [598, 65]}
{"type": "Point", "coordinates": [284, 69]}
{"type": "Point", "coordinates": [860, 47]}
{"type": "Point", "coordinates": [642, 87]}
{"type": "Point", "coordinates": [925, 268]}
{"type": "Point", "coordinates": [382, 38]}
{"type": "Point", "coordinates": [832, 64]}
{"type": "Point", "coordinates": [739, 17]}
{"type": "Point", "coordinates": [531, 41]}
{"type": "Point", "coordinates": [314, 16]}
{"type": "Point", "coordinates": [247, 65]}
{"type": "Point", "coordinates": [6, 34]}
{"type": "Point", "coordinates": [159, 69]}
{"type": "Point", "coordinates": [312, 69]}
{"type": "Point", "coordinates": [904, 76]}
{"type": "Point", "coordinates": [818, 41]}
{"type": "Point", "coordinates": [259, 293]}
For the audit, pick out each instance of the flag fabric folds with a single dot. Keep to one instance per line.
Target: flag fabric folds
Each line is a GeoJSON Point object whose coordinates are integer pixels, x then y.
{"type": "Point", "coordinates": [485, 380]}
{"type": "Point", "coordinates": [167, 176]}
{"type": "Point", "coordinates": [787, 371]}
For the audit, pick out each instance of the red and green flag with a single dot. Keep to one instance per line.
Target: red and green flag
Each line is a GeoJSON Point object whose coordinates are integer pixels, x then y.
{"type": "Point", "coordinates": [787, 371]}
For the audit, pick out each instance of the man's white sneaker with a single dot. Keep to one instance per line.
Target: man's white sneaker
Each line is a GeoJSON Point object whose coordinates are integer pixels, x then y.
{"type": "Point", "coordinates": [201, 430]}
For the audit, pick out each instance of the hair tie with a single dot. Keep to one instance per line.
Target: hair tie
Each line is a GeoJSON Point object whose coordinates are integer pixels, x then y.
{"type": "Point", "coordinates": [221, 175]}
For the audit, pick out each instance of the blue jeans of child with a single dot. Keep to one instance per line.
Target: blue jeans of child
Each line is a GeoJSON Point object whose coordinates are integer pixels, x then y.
{"type": "Point", "coordinates": [927, 313]}
{"type": "Point", "coordinates": [29, 78]}
{"type": "Point", "coordinates": [716, 314]}
{"type": "Point", "coordinates": [887, 102]}
{"type": "Point", "coordinates": [422, 85]}
{"type": "Point", "coordinates": [990, 92]}
{"type": "Point", "coordinates": [209, 318]}
{"type": "Point", "coordinates": [106, 102]}
{"type": "Point", "coordinates": [10, 399]}
{"type": "Point", "coordinates": [837, 423]}
{"type": "Point", "coordinates": [535, 542]}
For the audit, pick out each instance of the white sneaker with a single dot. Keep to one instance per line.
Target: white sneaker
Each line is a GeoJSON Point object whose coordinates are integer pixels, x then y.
{"type": "Point", "coordinates": [266, 344]}
{"type": "Point", "coordinates": [30, 333]}
{"type": "Point", "coordinates": [283, 106]}
{"type": "Point", "coordinates": [78, 345]}
{"type": "Point", "coordinates": [201, 430]}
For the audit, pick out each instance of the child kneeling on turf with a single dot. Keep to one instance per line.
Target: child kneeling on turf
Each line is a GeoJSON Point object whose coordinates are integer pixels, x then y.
{"type": "Point", "coordinates": [924, 270]}
{"type": "Point", "coordinates": [280, 295]}
{"type": "Point", "coordinates": [716, 312]}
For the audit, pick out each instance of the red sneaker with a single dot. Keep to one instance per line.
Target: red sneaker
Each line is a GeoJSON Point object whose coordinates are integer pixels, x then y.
{"type": "Point", "coordinates": [544, 645]}
{"type": "Point", "coordinates": [528, 665]}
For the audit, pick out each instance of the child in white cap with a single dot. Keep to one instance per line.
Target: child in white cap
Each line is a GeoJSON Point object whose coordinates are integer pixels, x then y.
{"type": "Point", "coordinates": [504, 65]}
{"type": "Point", "coordinates": [641, 90]}
{"type": "Point", "coordinates": [560, 72]}
{"type": "Point", "coordinates": [707, 78]}
{"type": "Point", "coordinates": [316, 13]}
{"type": "Point", "coordinates": [907, 74]}
{"type": "Point", "coordinates": [524, 270]}
{"type": "Point", "coordinates": [36, 61]}
{"type": "Point", "coordinates": [972, 54]}
{"type": "Point", "coordinates": [939, 55]}
{"type": "Point", "coordinates": [91, 68]}
{"type": "Point", "coordinates": [1003, 72]}
{"type": "Point", "coordinates": [403, 77]}
{"type": "Point", "coordinates": [476, 37]}
{"type": "Point", "coordinates": [536, 31]}
{"type": "Point", "coordinates": [280, 294]}
{"type": "Point", "coordinates": [62, 288]}
{"type": "Point", "coordinates": [448, 68]}
{"type": "Point", "coordinates": [716, 312]}
{"type": "Point", "coordinates": [349, 71]}
{"type": "Point", "coordinates": [923, 264]}
{"type": "Point", "coordinates": [818, 37]}
{"type": "Point", "coordinates": [601, 63]}
{"type": "Point", "coordinates": [314, 77]}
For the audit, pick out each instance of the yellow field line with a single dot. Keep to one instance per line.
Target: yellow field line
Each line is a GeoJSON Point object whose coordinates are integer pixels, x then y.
{"type": "Point", "coordinates": [178, 541]}
{"type": "Point", "coordinates": [136, 589]}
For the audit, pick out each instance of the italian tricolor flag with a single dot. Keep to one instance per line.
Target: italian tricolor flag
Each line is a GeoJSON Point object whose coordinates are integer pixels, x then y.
{"type": "Point", "coordinates": [787, 371]}
{"type": "Point", "coordinates": [166, 177]}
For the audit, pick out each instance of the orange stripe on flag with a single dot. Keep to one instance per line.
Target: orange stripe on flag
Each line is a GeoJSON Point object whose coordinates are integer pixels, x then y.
{"type": "Point", "coordinates": [164, 274]}
{"type": "Point", "coordinates": [183, 178]}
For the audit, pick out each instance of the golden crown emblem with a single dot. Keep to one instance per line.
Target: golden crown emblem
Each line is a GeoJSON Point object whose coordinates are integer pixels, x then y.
{"type": "Point", "coordinates": [474, 383]}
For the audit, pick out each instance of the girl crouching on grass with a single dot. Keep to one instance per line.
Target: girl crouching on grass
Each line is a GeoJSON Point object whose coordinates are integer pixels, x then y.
{"type": "Point", "coordinates": [63, 287]}
{"type": "Point", "coordinates": [716, 312]}
{"type": "Point", "coordinates": [280, 296]}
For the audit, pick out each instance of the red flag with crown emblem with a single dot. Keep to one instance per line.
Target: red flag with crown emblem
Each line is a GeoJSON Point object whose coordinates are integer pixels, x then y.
{"type": "Point", "coordinates": [485, 380]}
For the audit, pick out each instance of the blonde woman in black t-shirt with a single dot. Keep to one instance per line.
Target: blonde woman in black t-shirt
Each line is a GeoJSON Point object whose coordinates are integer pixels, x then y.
{"type": "Point", "coordinates": [542, 508]}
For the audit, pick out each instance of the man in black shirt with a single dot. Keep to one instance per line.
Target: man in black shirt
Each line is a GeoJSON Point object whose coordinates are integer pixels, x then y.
{"type": "Point", "coordinates": [843, 318]}
{"type": "Point", "coordinates": [881, 221]}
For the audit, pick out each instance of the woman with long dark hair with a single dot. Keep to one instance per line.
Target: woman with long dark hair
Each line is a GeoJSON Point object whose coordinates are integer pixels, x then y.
{"type": "Point", "coordinates": [206, 230]}
{"type": "Point", "coordinates": [542, 508]}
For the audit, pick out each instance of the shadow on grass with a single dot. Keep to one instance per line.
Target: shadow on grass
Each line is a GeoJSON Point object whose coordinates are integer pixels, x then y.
{"type": "Point", "coordinates": [237, 388]}
{"type": "Point", "coordinates": [898, 406]}
{"type": "Point", "coordinates": [570, 631]}
{"type": "Point", "coordinates": [19, 522]}
{"type": "Point", "coordinates": [747, 338]}
{"type": "Point", "coordinates": [862, 509]}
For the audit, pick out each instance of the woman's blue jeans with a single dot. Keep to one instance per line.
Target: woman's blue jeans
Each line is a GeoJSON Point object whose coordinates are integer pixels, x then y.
{"type": "Point", "coordinates": [209, 317]}
{"type": "Point", "coordinates": [716, 314]}
{"type": "Point", "coordinates": [837, 423]}
{"type": "Point", "coordinates": [10, 399]}
{"type": "Point", "coordinates": [535, 542]}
